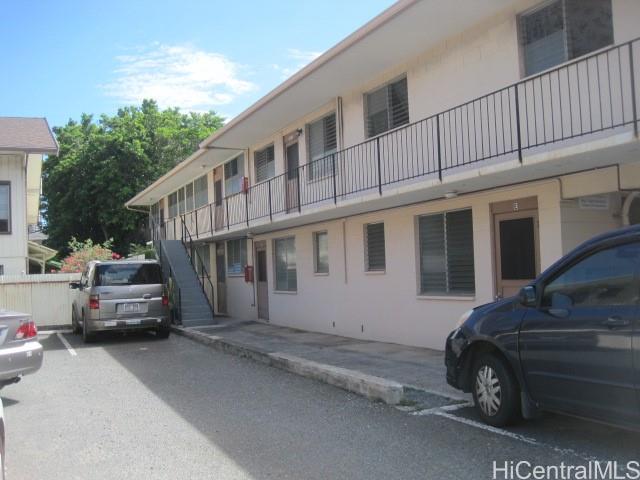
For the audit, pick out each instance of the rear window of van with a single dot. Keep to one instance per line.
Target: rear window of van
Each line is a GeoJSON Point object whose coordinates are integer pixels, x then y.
{"type": "Point", "coordinates": [128, 274]}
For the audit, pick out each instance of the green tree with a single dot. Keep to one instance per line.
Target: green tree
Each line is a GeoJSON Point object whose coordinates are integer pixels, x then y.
{"type": "Point", "coordinates": [103, 164]}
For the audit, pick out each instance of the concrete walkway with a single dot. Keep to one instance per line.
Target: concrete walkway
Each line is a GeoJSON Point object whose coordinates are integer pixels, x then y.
{"type": "Point", "coordinates": [396, 374]}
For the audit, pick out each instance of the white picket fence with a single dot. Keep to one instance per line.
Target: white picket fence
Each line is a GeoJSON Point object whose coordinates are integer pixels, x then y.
{"type": "Point", "coordinates": [46, 297]}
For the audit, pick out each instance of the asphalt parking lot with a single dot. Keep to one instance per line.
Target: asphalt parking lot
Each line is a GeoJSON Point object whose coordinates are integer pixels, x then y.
{"type": "Point", "coordinates": [138, 407]}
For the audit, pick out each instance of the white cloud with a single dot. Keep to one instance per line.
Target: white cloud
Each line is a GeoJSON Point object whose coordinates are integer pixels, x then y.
{"type": "Point", "coordinates": [177, 76]}
{"type": "Point", "coordinates": [300, 58]}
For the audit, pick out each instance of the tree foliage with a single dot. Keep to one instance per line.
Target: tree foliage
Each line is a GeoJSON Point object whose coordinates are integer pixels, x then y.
{"type": "Point", "coordinates": [103, 164]}
{"type": "Point", "coordinates": [83, 252]}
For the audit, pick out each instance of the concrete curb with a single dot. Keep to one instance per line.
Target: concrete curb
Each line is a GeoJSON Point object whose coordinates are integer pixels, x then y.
{"type": "Point", "coordinates": [371, 387]}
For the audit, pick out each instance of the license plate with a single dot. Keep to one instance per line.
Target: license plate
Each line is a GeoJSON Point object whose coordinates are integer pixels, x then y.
{"type": "Point", "coordinates": [133, 322]}
{"type": "Point", "coordinates": [129, 308]}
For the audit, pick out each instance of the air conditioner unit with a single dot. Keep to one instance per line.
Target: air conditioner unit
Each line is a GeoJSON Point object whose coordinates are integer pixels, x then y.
{"type": "Point", "coordinates": [631, 209]}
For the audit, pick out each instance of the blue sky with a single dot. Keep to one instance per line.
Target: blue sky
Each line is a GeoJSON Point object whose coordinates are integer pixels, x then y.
{"type": "Point", "coordinates": [62, 58]}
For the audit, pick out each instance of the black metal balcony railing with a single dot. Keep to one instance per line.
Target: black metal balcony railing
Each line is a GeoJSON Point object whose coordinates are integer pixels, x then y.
{"type": "Point", "coordinates": [586, 96]}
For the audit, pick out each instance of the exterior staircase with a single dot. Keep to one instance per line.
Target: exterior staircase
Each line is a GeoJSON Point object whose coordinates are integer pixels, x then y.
{"type": "Point", "coordinates": [193, 304]}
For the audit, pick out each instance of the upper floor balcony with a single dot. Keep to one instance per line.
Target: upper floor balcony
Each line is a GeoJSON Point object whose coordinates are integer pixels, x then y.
{"type": "Point", "coordinates": [580, 115]}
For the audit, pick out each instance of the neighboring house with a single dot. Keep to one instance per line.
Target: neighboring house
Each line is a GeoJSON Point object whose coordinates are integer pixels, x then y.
{"type": "Point", "coordinates": [437, 158]}
{"type": "Point", "coordinates": [23, 143]}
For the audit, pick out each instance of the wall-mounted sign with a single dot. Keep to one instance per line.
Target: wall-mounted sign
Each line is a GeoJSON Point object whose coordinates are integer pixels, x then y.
{"type": "Point", "coordinates": [594, 202]}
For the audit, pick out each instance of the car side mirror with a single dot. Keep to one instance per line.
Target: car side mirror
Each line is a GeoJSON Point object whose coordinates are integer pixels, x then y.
{"type": "Point", "coordinates": [527, 296]}
{"type": "Point", "coordinates": [74, 285]}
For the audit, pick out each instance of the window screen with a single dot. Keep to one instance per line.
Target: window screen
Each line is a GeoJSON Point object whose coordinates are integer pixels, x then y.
{"type": "Point", "coordinates": [181, 201]}
{"type": "Point", "coordinates": [265, 164]}
{"type": "Point", "coordinates": [201, 191]}
{"type": "Point", "coordinates": [321, 252]}
{"type": "Point", "coordinates": [374, 247]}
{"type": "Point", "coordinates": [233, 172]}
{"type": "Point", "coordinates": [286, 275]}
{"type": "Point", "coordinates": [173, 205]}
{"type": "Point", "coordinates": [236, 256]}
{"type": "Point", "coordinates": [189, 197]}
{"type": "Point", "coordinates": [5, 208]}
{"type": "Point", "coordinates": [563, 30]}
{"type": "Point", "coordinates": [387, 107]}
{"type": "Point", "coordinates": [322, 143]}
{"type": "Point", "coordinates": [446, 253]}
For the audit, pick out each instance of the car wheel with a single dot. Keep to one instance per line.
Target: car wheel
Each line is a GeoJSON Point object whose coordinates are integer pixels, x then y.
{"type": "Point", "coordinates": [74, 323]}
{"type": "Point", "coordinates": [495, 391]}
{"type": "Point", "coordinates": [86, 336]}
{"type": "Point", "coordinates": [163, 332]}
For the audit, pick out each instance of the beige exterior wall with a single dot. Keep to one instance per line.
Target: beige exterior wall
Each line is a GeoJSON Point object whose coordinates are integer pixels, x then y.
{"type": "Point", "coordinates": [387, 306]}
{"type": "Point", "coordinates": [13, 246]}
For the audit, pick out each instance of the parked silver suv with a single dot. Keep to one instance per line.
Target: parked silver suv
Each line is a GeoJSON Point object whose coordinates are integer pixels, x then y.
{"type": "Point", "coordinates": [120, 295]}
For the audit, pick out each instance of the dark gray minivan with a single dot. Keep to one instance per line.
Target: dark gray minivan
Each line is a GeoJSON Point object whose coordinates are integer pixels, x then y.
{"type": "Point", "coordinates": [569, 342]}
{"type": "Point", "coordinates": [120, 295]}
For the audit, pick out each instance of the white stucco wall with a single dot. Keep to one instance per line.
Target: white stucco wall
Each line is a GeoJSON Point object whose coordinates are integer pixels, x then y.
{"type": "Point", "coordinates": [13, 246]}
{"type": "Point", "coordinates": [386, 306]}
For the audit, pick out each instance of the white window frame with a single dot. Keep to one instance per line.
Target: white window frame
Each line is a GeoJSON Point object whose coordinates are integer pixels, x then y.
{"type": "Point", "coordinates": [447, 292]}
{"type": "Point", "coordinates": [390, 128]}
{"type": "Point", "coordinates": [232, 271]}
{"type": "Point", "coordinates": [8, 219]}
{"type": "Point", "coordinates": [367, 266]}
{"type": "Point", "coordinates": [275, 264]}
{"type": "Point", "coordinates": [316, 252]}
{"type": "Point", "coordinates": [272, 171]}
{"type": "Point", "coordinates": [324, 172]}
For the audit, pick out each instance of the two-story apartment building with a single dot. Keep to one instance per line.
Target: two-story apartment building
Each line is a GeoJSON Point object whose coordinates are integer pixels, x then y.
{"type": "Point", "coordinates": [437, 158]}
{"type": "Point", "coordinates": [23, 143]}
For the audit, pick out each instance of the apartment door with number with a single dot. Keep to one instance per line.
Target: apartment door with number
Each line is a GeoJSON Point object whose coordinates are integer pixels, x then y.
{"type": "Point", "coordinates": [261, 281]}
{"type": "Point", "coordinates": [221, 278]}
{"type": "Point", "coordinates": [517, 258]}
{"type": "Point", "coordinates": [292, 156]}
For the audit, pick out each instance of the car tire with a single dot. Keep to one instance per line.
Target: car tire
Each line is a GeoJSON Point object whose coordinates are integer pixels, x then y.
{"type": "Point", "coordinates": [163, 332]}
{"type": "Point", "coordinates": [495, 390]}
{"type": "Point", "coordinates": [74, 323]}
{"type": "Point", "coordinates": [86, 336]}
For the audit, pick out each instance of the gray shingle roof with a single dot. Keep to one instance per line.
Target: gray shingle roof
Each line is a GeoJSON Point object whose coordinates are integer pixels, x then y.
{"type": "Point", "coordinates": [27, 134]}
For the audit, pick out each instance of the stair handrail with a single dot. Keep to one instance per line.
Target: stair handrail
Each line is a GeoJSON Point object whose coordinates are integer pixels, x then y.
{"type": "Point", "coordinates": [196, 260]}
{"type": "Point", "coordinates": [167, 272]}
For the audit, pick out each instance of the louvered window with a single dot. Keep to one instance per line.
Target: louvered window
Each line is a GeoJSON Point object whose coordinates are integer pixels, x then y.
{"type": "Point", "coordinates": [189, 196]}
{"type": "Point", "coordinates": [374, 248]}
{"type": "Point", "coordinates": [181, 201]}
{"type": "Point", "coordinates": [285, 260]}
{"type": "Point", "coordinates": [446, 254]}
{"type": "Point", "coordinates": [236, 256]}
{"type": "Point", "coordinates": [5, 207]}
{"type": "Point", "coordinates": [201, 191]}
{"type": "Point", "coordinates": [562, 30]}
{"type": "Point", "coordinates": [173, 205]}
{"type": "Point", "coordinates": [233, 173]}
{"type": "Point", "coordinates": [322, 143]}
{"type": "Point", "coordinates": [265, 164]}
{"type": "Point", "coordinates": [387, 107]}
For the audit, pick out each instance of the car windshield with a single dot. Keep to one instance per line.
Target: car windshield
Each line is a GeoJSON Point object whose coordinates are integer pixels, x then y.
{"type": "Point", "coordinates": [128, 274]}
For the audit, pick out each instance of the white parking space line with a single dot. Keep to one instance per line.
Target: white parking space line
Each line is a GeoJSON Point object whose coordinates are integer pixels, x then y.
{"type": "Point", "coordinates": [505, 433]}
{"type": "Point", "coordinates": [67, 345]}
{"type": "Point", "coordinates": [52, 332]}
{"type": "Point", "coordinates": [446, 408]}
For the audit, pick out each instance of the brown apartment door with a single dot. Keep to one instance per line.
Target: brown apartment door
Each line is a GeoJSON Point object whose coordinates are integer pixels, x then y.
{"type": "Point", "coordinates": [517, 258]}
{"type": "Point", "coordinates": [292, 155]}
{"type": "Point", "coordinates": [261, 281]}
